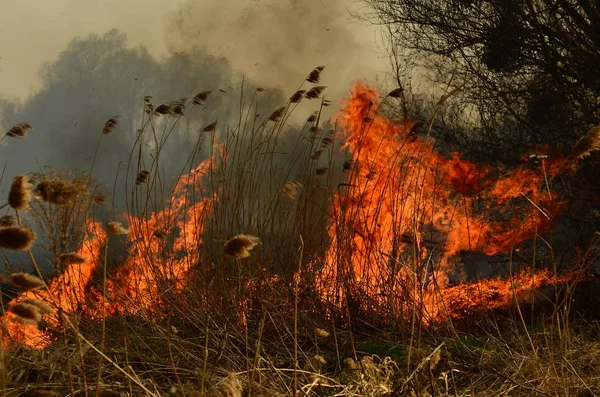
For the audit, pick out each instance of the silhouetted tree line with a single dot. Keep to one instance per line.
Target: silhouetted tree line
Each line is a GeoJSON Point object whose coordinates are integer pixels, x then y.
{"type": "Point", "coordinates": [528, 70]}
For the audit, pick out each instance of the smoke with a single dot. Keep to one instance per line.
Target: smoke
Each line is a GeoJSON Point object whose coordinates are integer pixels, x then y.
{"type": "Point", "coordinates": [98, 77]}
{"type": "Point", "coordinates": [210, 45]}
{"type": "Point", "coordinates": [275, 42]}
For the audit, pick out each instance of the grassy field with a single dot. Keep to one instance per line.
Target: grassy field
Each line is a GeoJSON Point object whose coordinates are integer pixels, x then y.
{"type": "Point", "coordinates": [323, 259]}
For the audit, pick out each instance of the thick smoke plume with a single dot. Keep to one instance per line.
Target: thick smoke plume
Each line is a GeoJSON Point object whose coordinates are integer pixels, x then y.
{"type": "Point", "coordinates": [276, 42]}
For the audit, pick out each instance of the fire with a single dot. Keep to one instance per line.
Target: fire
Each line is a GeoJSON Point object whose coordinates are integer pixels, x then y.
{"type": "Point", "coordinates": [67, 291]}
{"type": "Point", "coordinates": [139, 283]}
{"type": "Point", "coordinates": [152, 266]}
{"type": "Point", "coordinates": [407, 211]}
{"type": "Point", "coordinates": [398, 225]}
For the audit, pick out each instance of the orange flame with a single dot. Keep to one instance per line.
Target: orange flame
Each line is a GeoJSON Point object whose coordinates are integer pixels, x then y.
{"type": "Point", "coordinates": [398, 225]}
{"type": "Point", "coordinates": [406, 205]}
{"type": "Point", "coordinates": [149, 270]}
{"type": "Point", "coordinates": [67, 291]}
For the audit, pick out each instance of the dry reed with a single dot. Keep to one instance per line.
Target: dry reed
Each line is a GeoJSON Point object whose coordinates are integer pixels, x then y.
{"type": "Point", "coordinates": [20, 193]}
{"type": "Point", "coordinates": [211, 127]}
{"type": "Point", "coordinates": [8, 220]}
{"type": "Point", "coordinates": [116, 228]}
{"type": "Point", "coordinates": [59, 192]}
{"type": "Point", "coordinates": [71, 258]}
{"type": "Point", "coordinates": [42, 306]}
{"type": "Point", "coordinates": [110, 125]}
{"type": "Point", "coordinates": [17, 238]}
{"type": "Point", "coordinates": [25, 281]}
{"type": "Point", "coordinates": [19, 130]}
{"type": "Point", "coordinates": [586, 144]}
{"type": "Point", "coordinates": [240, 246]}
{"type": "Point", "coordinates": [26, 311]}
{"type": "Point", "coordinates": [297, 97]}
{"type": "Point", "coordinates": [277, 114]}
{"type": "Point", "coordinates": [315, 75]}
{"type": "Point", "coordinates": [314, 92]}
{"type": "Point", "coordinates": [200, 98]}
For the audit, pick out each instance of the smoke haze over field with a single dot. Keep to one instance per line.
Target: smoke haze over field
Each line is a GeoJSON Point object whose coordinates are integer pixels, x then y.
{"type": "Point", "coordinates": [67, 66]}
{"type": "Point", "coordinates": [274, 42]}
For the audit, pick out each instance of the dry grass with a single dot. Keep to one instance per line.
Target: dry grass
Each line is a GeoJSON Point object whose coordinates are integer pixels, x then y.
{"type": "Point", "coordinates": [211, 315]}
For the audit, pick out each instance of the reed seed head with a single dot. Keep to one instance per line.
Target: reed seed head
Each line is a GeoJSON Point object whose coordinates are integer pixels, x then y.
{"type": "Point", "coordinates": [276, 115]}
{"type": "Point", "coordinates": [315, 92]}
{"type": "Point", "coordinates": [26, 281]}
{"type": "Point", "coordinates": [312, 118]}
{"type": "Point", "coordinates": [396, 93]}
{"type": "Point", "coordinates": [111, 124]}
{"type": "Point", "coordinates": [150, 109]}
{"type": "Point", "coordinates": [297, 97]}
{"type": "Point", "coordinates": [351, 365]}
{"type": "Point", "coordinates": [26, 311]}
{"type": "Point", "coordinates": [22, 321]}
{"type": "Point", "coordinates": [16, 238]}
{"type": "Point", "coordinates": [240, 246]}
{"type": "Point", "coordinates": [142, 177]}
{"type": "Point", "coordinates": [71, 258]}
{"type": "Point", "coordinates": [231, 386]}
{"type": "Point", "coordinates": [321, 333]}
{"type": "Point", "coordinates": [116, 228]}
{"type": "Point", "coordinates": [99, 198]}
{"type": "Point", "coordinates": [177, 110]}
{"type": "Point", "coordinates": [163, 109]}
{"type": "Point", "coordinates": [347, 165]}
{"type": "Point", "coordinates": [315, 75]}
{"type": "Point", "coordinates": [42, 306]}
{"type": "Point", "coordinates": [322, 171]}
{"type": "Point", "coordinates": [8, 220]}
{"type": "Point", "coordinates": [59, 192]}
{"type": "Point", "coordinates": [211, 127]}
{"type": "Point", "coordinates": [20, 193]}
{"type": "Point", "coordinates": [200, 98]}
{"type": "Point", "coordinates": [290, 189]}
{"type": "Point", "coordinates": [586, 144]}
{"type": "Point", "coordinates": [160, 234]}
{"type": "Point", "coordinates": [326, 142]}
{"type": "Point", "coordinates": [320, 360]}
{"type": "Point", "coordinates": [19, 130]}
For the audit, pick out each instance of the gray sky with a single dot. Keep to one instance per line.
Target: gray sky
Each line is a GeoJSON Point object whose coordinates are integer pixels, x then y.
{"type": "Point", "coordinates": [275, 42]}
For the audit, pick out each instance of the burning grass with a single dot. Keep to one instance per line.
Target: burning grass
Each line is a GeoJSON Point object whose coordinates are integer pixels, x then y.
{"type": "Point", "coordinates": [357, 288]}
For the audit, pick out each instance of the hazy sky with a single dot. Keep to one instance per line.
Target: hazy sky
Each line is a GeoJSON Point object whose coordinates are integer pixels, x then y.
{"type": "Point", "coordinates": [275, 42]}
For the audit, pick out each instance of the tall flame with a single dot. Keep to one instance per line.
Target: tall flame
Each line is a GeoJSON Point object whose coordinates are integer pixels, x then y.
{"type": "Point", "coordinates": [150, 269]}
{"type": "Point", "coordinates": [399, 223]}
{"type": "Point", "coordinates": [67, 291]}
{"type": "Point", "coordinates": [408, 210]}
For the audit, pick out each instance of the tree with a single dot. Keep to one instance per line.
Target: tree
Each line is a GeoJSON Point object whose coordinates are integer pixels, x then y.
{"type": "Point", "coordinates": [528, 68]}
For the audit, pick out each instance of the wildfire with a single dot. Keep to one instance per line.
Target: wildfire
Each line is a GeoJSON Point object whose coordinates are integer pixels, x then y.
{"type": "Point", "coordinates": [67, 291]}
{"type": "Point", "coordinates": [149, 270]}
{"type": "Point", "coordinates": [398, 226]}
{"type": "Point", "coordinates": [407, 211]}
